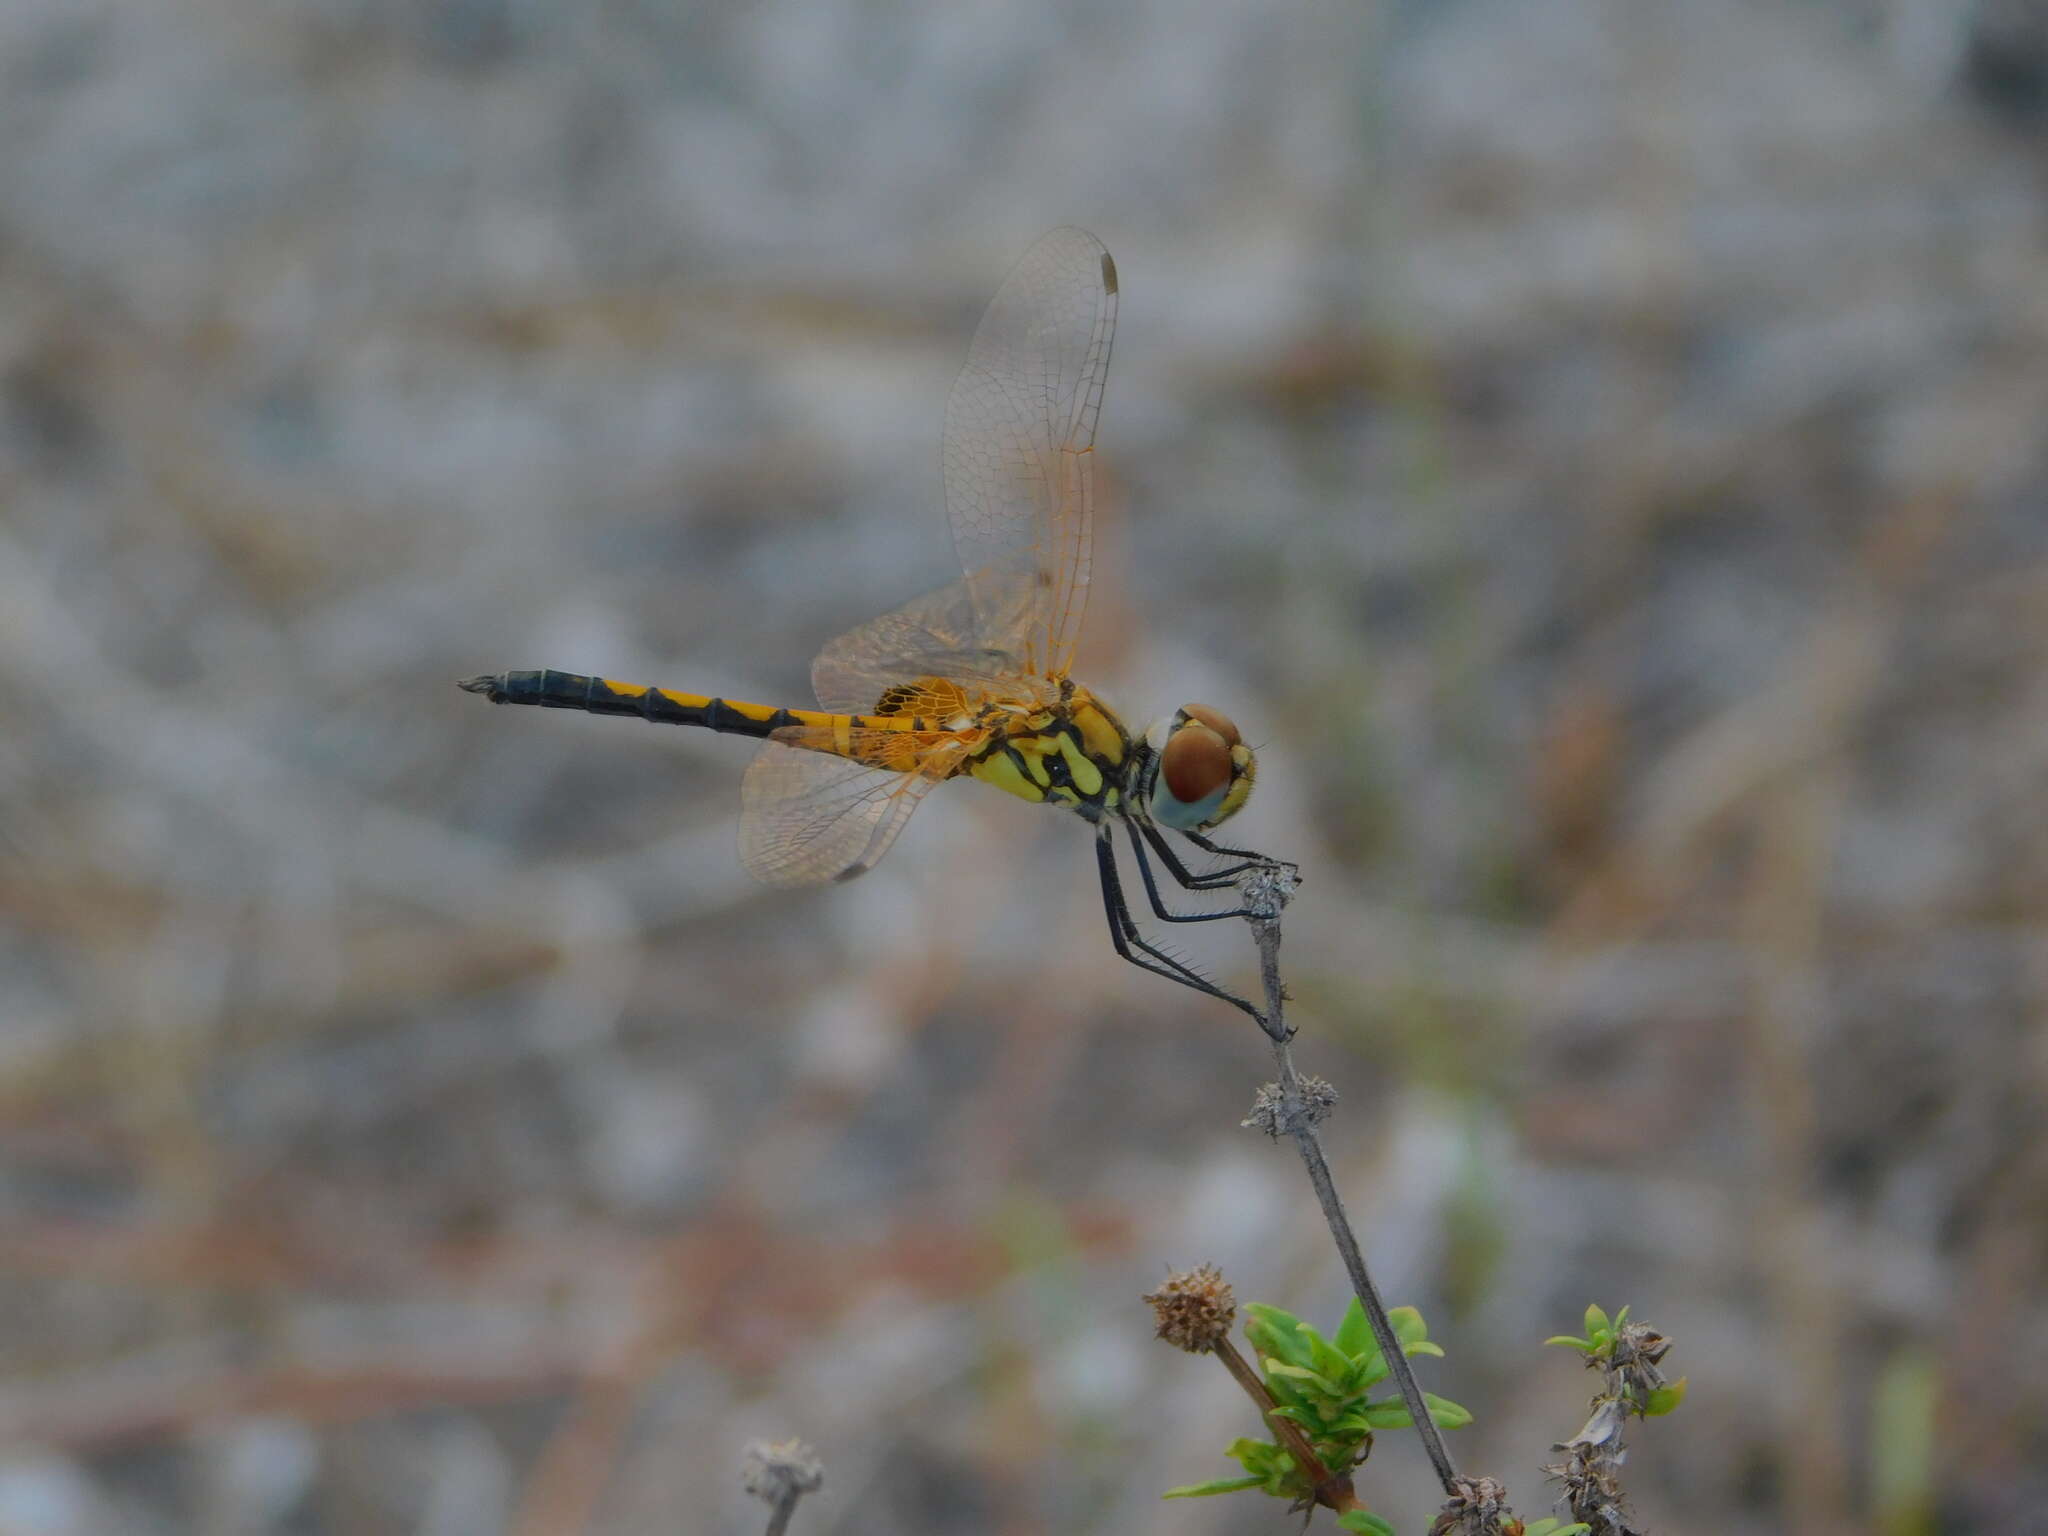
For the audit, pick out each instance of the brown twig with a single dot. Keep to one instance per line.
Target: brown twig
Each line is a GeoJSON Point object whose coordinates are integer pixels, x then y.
{"type": "Point", "coordinates": [1333, 1490]}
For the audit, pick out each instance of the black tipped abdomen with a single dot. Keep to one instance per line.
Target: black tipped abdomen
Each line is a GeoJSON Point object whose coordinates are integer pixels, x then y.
{"type": "Point", "coordinates": [603, 696]}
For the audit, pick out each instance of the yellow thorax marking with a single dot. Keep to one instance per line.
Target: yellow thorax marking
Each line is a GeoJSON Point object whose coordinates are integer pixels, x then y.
{"type": "Point", "coordinates": [1100, 733]}
{"type": "Point", "coordinates": [1021, 764]}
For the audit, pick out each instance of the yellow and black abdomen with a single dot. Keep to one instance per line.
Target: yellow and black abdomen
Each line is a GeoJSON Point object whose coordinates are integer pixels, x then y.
{"type": "Point", "coordinates": [896, 743]}
{"type": "Point", "coordinates": [662, 706]}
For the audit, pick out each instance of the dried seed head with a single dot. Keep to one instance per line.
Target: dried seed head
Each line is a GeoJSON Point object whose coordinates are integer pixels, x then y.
{"type": "Point", "coordinates": [777, 1470]}
{"type": "Point", "coordinates": [1268, 888]}
{"type": "Point", "coordinates": [1272, 1113]}
{"type": "Point", "coordinates": [1478, 1506]}
{"type": "Point", "coordinates": [1637, 1349]}
{"type": "Point", "coordinates": [1318, 1098]}
{"type": "Point", "coordinates": [1265, 1115]}
{"type": "Point", "coordinates": [1195, 1308]}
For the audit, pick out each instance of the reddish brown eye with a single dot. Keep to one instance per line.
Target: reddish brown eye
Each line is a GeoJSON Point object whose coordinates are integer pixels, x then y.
{"type": "Point", "coordinates": [1196, 764]}
{"type": "Point", "coordinates": [1220, 724]}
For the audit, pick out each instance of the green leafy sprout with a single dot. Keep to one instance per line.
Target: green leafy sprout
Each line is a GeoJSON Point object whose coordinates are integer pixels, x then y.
{"type": "Point", "coordinates": [1324, 1386]}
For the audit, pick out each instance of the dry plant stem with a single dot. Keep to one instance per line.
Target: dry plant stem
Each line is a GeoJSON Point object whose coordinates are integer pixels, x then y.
{"type": "Point", "coordinates": [1299, 1125]}
{"type": "Point", "coordinates": [1333, 1489]}
{"type": "Point", "coordinates": [778, 1519]}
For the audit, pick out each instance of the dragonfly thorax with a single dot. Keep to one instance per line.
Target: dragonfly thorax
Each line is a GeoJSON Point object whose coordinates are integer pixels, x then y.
{"type": "Point", "coordinates": [1072, 753]}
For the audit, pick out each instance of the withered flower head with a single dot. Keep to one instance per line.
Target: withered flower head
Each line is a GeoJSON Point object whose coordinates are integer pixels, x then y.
{"type": "Point", "coordinates": [776, 1470]}
{"type": "Point", "coordinates": [1195, 1308]}
{"type": "Point", "coordinates": [1478, 1506]}
{"type": "Point", "coordinates": [1275, 1114]}
{"type": "Point", "coordinates": [1637, 1350]}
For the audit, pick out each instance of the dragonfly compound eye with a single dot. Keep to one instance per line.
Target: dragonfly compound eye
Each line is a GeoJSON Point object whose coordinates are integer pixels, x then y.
{"type": "Point", "coordinates": [1195, 764]}
{"type": "Point", "coordinates": [1214, 719]}
{"type": "Point", "coordinates": [1205, 772]}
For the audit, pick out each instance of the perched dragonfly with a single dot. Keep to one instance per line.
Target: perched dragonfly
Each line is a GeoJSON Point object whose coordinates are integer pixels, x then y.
{"type": "Point", "coordinates": [972, 680]}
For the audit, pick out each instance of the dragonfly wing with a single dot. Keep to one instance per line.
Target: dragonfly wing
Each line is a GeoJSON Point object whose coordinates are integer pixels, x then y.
{"type": "Point", "coordinates": [1020, 424]}
{"type": "Point", "coordinates": [937, 635]}
{"type": "Point", "coordinates": [807, 817]}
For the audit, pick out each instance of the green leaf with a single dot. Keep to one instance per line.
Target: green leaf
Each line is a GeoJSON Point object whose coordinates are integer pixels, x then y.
{"type": "Point", "coordinates": [1596, 1323]}
{"type": "Point", "coordinates": [1261, 1458]}
{"type": "Point", "coordinates": [1367, 1371]}
{"type": "Point", "coordinates": [1316, 1379]}
{"type": "Point", "coordinates": [1205, 1490]}
{"type": "Point", "coordinates": [1364, 1520]}
{"type": "Point", "coordinates": [1549, 1526]}
{"type": "Point", "coordinates": [1330, 1362]}
{"type": "Point", "coordinates": [1620, 1318]}
{"type": "Point", "coordinates": [1354, 1334]}
{"type": "Point", "coordinates": [1393, 1413]}
{"type": "Point", "coordinates": [1664, 1399]}
{"type": "Point", "coordinates": [1276, 1332]}
{"type": "Point", "coordinates": [1370, 1370]}
{"type": "Point", "coordinates": [1289, 1393]}
{"type": "Point", "coordinates": [1408, 1324]}
{"type": "Point", "coordinates": [1584, 1346]}
{"type": "Point", "coordinates": [1447, 1414]}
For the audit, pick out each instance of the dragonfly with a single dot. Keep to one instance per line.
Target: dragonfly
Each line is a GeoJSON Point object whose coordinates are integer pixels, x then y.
{"type": "Point", "coordinates": [972, 681]}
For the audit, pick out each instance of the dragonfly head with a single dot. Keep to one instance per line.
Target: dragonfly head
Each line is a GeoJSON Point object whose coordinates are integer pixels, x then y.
{"type": "Point", "coordinates": [1202, 772]}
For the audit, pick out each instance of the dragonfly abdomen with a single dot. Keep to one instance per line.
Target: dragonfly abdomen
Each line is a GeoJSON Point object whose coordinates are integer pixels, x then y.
{"type": "Point", "coordinates": [662, 706]}
{"type": "Point", "coordinates": [876, 739]}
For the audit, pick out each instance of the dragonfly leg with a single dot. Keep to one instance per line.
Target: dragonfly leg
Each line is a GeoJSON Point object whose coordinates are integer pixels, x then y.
{"type": "Point", "coordinates": [1208, 879]}
{"type": "Point", "coordinates": [1180, 873]}
{"type": "Point", "coordinates": [1123, 932]}
{"type": "Point", "coordinates": [1246, 854]}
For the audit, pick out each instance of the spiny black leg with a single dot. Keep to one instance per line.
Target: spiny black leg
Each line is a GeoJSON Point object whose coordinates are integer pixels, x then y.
{"type": "Point", "coordinates": [1246, 854]}
{"type": "Point", "coordinates": [1123, 933]}
{"type": "Point", "coordinates": [1124, 927]}
{"type": "Point", "coordinates": [1152, 886]}
{"type": "Point", "coordinates": [1207, 880]}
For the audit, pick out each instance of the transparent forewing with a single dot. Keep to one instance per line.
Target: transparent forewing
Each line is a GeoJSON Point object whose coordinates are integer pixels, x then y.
{"type": "Point", "coordinates": [1020, 424]}
{"type": "Point", "coordinates": [937, 635]}
{"type": "Point", "coordinates": [806, 817]}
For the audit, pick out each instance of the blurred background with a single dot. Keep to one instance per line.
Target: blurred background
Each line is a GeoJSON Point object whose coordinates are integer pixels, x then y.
{"type": "Point", "coordinates": [1594, 447]}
